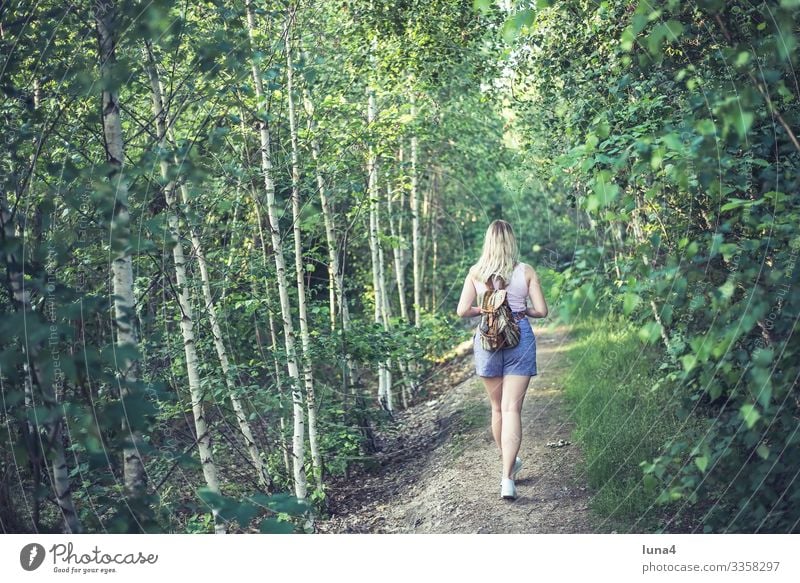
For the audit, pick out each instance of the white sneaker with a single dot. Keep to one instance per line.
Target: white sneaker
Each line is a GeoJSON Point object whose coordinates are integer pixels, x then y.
{"type": "Point", "coordinates": [517, 467]}
{"type": "Point", "coordinates": [507, 489]}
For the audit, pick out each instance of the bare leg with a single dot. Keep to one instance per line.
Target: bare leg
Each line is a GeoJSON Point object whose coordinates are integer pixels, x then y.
{"type": "Point", "coordinates": [494, 387]}
{"type": "Point", "coordinates": [514, 389]}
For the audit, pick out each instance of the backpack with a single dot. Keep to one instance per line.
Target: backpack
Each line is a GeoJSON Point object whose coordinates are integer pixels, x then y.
{"type": "Point", "coordinates": [497, 327]}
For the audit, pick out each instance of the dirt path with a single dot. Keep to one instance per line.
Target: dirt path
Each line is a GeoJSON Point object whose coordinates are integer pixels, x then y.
{"type": "Point", "coordinates": [440, 471]}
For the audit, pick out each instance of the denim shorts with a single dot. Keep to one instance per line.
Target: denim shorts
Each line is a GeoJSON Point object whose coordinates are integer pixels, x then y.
{"type": "Point", "coordinates": [520, 360]}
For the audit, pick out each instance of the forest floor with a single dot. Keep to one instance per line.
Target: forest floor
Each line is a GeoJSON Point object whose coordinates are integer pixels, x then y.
{"type": "Point", "coordinates": [439, 470]}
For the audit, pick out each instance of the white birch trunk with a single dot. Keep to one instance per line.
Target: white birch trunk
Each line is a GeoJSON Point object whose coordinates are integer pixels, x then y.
{"type": "Point", "coordinates": [399, 269]}
{"type": "Point", "coordinates": [121, 266]}
{"type": "Point", "coordinates": [426, 238]}
{"type": "Point", "coordinates": [336, 283]}
{"type": "Point", "coordinates": [415, 242]}
{"type": "Point", "coordinates": [185, 306]}
{"type": "Point", "coordinates": [407, 387]}
{"type": "Point", "coordinates": [384, 381]}
{"type": "Point", "coordinates": [267, 292]}
{"type": "Point", "coordinates": [273, 335]}
{"type": "Point", "coordinates": [210, 307]}
{"type": "Point", "coordinates": [298, 445]}
{"type": "Point", "coordinates": [385, 312]}
{"type": "Point", "coordinates": [435, 239]}
{"type": "Point", "coordinates": [305, 337]}
{"type": "Point", "coordinates": [336, 278]}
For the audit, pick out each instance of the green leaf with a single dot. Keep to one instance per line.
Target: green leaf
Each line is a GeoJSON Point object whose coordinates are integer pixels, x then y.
{"type": "Point", "coordinates": [742, 120]}
{"type": "Point", "coordinates": [603, 128]}
{"type": "Point", "coordinates": [482, 5]}
{"type": "Point", "coordinates": [734, 203]}
{"type": "Point", "coordinates": [629, 303]}
{"type": "Point", "coordinates": [626, 40]}
{"type": "Point", "coordinates": [674, 29]}
{"type": "Point", "coordinates": [742, 58]}
{"type": "Point", "coordinates": [750, 414]}
{"type": "Point", "coordinates": [670, 31]}
{"type": "Point", "coordinates": [705, 127]}
{"type": "Point", "coordinates": [515, 22]}
{"type": "Point", "coordinates": [701, 462]}
{"type": "Point", "coordinates": [763, 356]}
{"type": "Point", "coordinates": [605, 190]}
{"type": "Point", "coordinates": [762, 451]}
{"type": "Point", "coordinates": [650, 332]}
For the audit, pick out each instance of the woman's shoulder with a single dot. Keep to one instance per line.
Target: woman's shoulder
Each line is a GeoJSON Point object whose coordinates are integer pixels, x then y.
{"type": "Point", "coordinates": [475, 276]}
{"type": "Point", "coordinates": [528, 270]}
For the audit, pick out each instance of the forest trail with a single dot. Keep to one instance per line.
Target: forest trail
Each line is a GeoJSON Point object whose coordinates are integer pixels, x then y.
{"type": "Point", "coordinates": [440, 470]}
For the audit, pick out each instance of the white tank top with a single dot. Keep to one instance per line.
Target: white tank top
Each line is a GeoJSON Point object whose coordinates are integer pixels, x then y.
{"type": "Point", "coordinates": [517, 289]}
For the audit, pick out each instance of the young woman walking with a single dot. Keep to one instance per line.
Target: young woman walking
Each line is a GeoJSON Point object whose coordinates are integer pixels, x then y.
{"type": "Point", "coordinates": [505, 372]}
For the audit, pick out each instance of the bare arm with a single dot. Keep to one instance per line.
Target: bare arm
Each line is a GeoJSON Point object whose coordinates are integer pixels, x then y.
{"type": "Point", "coordinates": [539, 308]}
{"type": "Point", "coordinates": [465, 308]}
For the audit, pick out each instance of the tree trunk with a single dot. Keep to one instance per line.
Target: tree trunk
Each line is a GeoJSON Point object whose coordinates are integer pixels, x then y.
{"type": "Point", "coordinates": [385, 311]}
{"type": "Point", "coordinates": [336, 277]}
{"type": "Point", "coordinates": [415, 242]}
{"type": "Point", "coordinates": [338, 300]}
{"type": "Point", "coordinates": [183, 296]}
{"type": "Point", "coordinates": [298, 445]}
{"type": "Point", "coordinates": [305, 337]}
{"type": "Point", "coordinates": [33, 377]}
{"type": "Point", "coordinates": [267, 292]}
{"type": "Point", "coordinates": [273, 338]}
{"type": "Point", "coordinates": [407, 388]}
{"type": "Point", "coordinates": [397, 250]}
{"type": "Point", "coordinates": [435, 238]}
{"type": "Point", "coordinates": [210, 308]}
{"type": "Point", "coordinates": [384, 386]}
{"type": "Point", "coordinates": [121, 267]}
{"type": "Point", "coordinates": [426, 237]}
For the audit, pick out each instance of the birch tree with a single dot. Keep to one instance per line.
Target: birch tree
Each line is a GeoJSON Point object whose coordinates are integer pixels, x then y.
{"type": "Point", "coordinates": [267, 291]}
{"type": "Point", "coordinates": [298, 445]}
{"type": "Point", "coordinates": [397, 249]}
{"type": "Point", "coordinates": [415, 238]}
{"type": "Point", "coordinates": [337, 297]}
{"type": "Point", "coordinates": [384, 380]}
{"type": "Point", "coordinates": [164, 131]}
{"type": "Point", "coordinates": [184, 303]}
{"type": "Point", "coordinates": [121, 266]}
{"type": "Point", "coordinates": [338, 301]}
{"type": "Point", "coordinates": [305, 338]}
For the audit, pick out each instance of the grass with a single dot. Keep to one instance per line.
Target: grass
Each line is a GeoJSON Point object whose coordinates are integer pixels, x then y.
{"type": "Point", "coordinates": [619, 420]}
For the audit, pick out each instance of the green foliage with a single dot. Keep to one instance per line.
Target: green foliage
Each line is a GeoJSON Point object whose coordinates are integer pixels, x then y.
{"type": "Point", "coordinates": [621, 420]}
{"type": "Point", "coordinates": [646, 154]}
{"type": "Point", "coordinates": [673, 154]}
{"type": "Point", "coordinates": [61, 228]}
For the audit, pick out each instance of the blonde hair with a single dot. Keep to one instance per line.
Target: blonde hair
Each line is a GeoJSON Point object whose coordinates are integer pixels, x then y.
{"type": "Point", "coordinates": [500, 252]}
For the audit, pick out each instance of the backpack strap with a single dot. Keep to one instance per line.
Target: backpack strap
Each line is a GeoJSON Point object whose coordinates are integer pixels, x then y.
{"type": "Point", "coordinates": [485, 299]}
{"type": "Point", "coordinates": [490, 282]}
